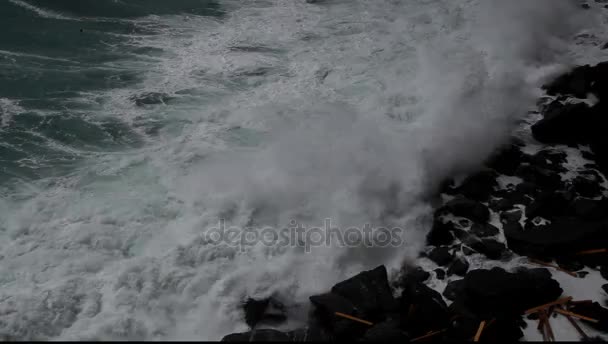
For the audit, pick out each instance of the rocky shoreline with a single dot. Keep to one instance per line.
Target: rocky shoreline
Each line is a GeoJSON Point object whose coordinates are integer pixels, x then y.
{"type": "Point", "coordinates": [544, 199]}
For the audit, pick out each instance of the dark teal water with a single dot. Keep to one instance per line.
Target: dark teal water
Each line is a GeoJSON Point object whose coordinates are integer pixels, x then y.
{"type": "Point", "coordinates": [59, 59]}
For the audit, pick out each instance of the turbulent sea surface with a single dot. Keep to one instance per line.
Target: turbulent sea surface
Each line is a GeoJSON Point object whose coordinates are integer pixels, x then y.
{"type": "Point", "coordinates": [129, 128]}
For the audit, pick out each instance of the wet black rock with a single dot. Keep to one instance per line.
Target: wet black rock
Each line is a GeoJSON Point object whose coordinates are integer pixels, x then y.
{"type": "Point", "coordinates": [567, 124]}
{"type": "Point", "coordinates": [369, 292]}
{"type": "Point", "coordinates": [577, 83]}
{"type": "Point", "coordinates": [459, 267]}
{"type": "Point", "coordinates": [588, 209]}
{"type": "Point", "coordinates": [506, 160]}
{"type": "Point", "coordinates": [484, 230]}
{"type": "Point", "coordinates": [587, 186]}
{"type": "Point", "coordinates": [595, 311]}
{"type": "Point", "coordinates": [562, 236]}
{"type": "Point", "coordinates": [410, 273]}
{"type": "Point", "coordinates": [265, 310]}
{"type": "Point", "coordinates": [498, 293]}
{"type": "Point", "coordinates": [441, 233]}
{"type": "Point", "coordinates": [511, 216]}
{"type": "Point", "coordinates": [479, 186]}
{"type": "Point", "coordinates": [326, 306]}
{"type": "Point", "coordinates": [453, 288]}
{"type": "Point", "coordinates": [441, 256]}
{"type": "Point", "coordinates": [423, 309]}
{"type": "Point", "coordinates": [490, 248]}
{"type": "Point", "coordinates": [387, 331]}
{"type": "Point", "coordinates": [464, 207]}
{"type": "Point", "coordinates": [543, 178]}
{"type": "Point", "coordinates": [440, 274]}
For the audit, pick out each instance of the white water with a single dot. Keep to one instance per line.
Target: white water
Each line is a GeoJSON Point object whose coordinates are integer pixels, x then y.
{"type": "Point", "coordinates": [364, 107]}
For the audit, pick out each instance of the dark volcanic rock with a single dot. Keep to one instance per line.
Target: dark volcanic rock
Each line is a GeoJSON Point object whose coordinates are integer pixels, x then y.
{"type": "Point", "coordinates": [587, 186]}
{"type": "Point", "coordinates": [567, 124]}
{"type": "Point", "coordinates": [441, 233]}
{"type": "Point", "coordinates": [506, 160]}
{"type": "Point", "coordinates": [543, 178]}
{"type": "Point", "coordinates": [548, 205]}
{"type": "Point", "coordinates": [409, 274]}
{"type": "Point", "coordinates": [595, 311]}
{"type": "Point", "coordinates": [587, 209]}
{"type": "Point", "coordinates": [440, 273]}
{"type": "Point", "coordinates": [459, 267]}
{"type": "Point", "coordinates": [561, 237]}
{"type": "Point", "coordinates": [369, 291]}
{"type": "Point", "coordinates": [484, 230]}
{"type": "Point", "coordinates": [576, 83]}
{"type": "Point", "coordinates": [498, 293]}
{"type": "Point", "coordinates": [549, 159]}
{"type": "Point", "coordinates": [490, 248]}
{"type": "Point", "coordinates": [453, 289]}
{"type": "Point", "coordinates": [387, 331]}
{"type": "Point", "coordinates": [464, 207]}
{"type": "Point", "coordinates": [479, 186]}
{"type": "Point", "coordinates": [423, 308]}
{"type": "Point", "coordinates": [326, 306]}
{"type": "Point", "coordinates": [441, 256]}
{"type": "Point", "coordinates": [266, 310]}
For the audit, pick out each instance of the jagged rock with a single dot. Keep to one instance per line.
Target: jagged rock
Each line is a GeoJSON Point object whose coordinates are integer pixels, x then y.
{"type": "Point", "coordinates": [440, 274]}
{"type": "Point", "coordinates": [409, 273]}
{"type": "Point", "coordinates": [511, 216]}
{"type": "Point", "coordinates": [479, 186]}
{"type": "Point", "coordinates": [563, 236]}
{"type": "Point", "coordinates": [464, 207]}
{"type": "Point", "coordinates": [498, 293]}
{"type": "Point", "coordinates": [484, 230]}
{"type": "Point", "coordinates": [265, 335]}
{"type": "Point", "coordinates": [549, 159]}
{"type": "Point", "coordinates": [587, 209]}
{"type": "Point", "coordinates": [369, 292]}
{"type": "Point", "coordinates": [567, 124]}
{"type": "Point", "coordinates": [441, 256]}
{"type": "Point", "coordinates": [587, 186]}
{"type": "Point", "coordinates": [544, 178]}
{"type": "Point", "coordinates": [423, 309]}
{"type": "Point", "coordinates": [459, 267]}
{"type": "Point", "coordinates": [577, 83]}
{"type": "Point", "coordinates": [441, 233]}
{"type": "Point", "coordinates": [326, 306]}
{"type": "Point", "coordinates": [490, 248]}
{"type": "Point", "coordinates": [266, 310]}
{"type": "Point", "coordinates": [506, 160]}
{"type": "Point", "coordinates": [387, 331]}
{"type": "Point", "coordinates": [453, 288]}
{"type": "Point", "coordinates": [595, 311]}
{"type": "Point", "coordinates": [502, 204]}
{"type": "Point", "coordinates": [548, 205]}
{"type": "Point", "coordinates": [605, 288]}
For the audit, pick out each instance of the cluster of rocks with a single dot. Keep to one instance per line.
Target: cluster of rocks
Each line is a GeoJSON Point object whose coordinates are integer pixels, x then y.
{"type": "Point", "coordinates": [549, 210]}
{"type": "Point", "coordinates": [492, 295]}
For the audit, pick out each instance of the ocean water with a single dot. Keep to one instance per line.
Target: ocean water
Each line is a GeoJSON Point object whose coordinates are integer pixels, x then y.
{"type": "Point", "coordinates": [130, 129]}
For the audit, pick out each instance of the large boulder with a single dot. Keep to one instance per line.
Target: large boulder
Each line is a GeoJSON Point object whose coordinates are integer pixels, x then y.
{"type": "Point", "coordinates": [563, 236]}
{"type": "Point", "coordinates": [479, 186]}
{"type": "Point", "coordinates": [464, 207]}
{"type": "Point", "coordinates": [369, 292]}
{"type": "Point", "coordinates": [423, 309]}
{"type": "Point", "coordinates": [497, 293]}
{"type": "Point", "coordinates": [265, 310]}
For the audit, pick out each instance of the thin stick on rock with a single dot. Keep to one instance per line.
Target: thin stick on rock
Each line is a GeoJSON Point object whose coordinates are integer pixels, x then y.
{"type": "Point", "coordinates": [479, 331]}
{"type": "Point", "coordinates": [575, 325]}
{"type": "Point", "coordinates": [350, 317]}
{"type": "Point", "coordinates": [582, 317]}
{"type": "Point", "coordinates": [599, 250]}
{"type": "Point", "coordinates": [549, 304]}
{"type": "Point", "coordinates": [428, 335]}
